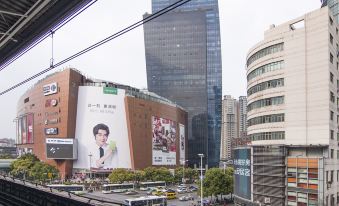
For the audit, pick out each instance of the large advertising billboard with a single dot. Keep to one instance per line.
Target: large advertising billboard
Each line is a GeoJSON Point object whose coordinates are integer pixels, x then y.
{"type": "Point", "coordinates": [242, 173]}
{"type": "Point", "coordinates": [101, 129]}
{"type": "Point", "coordinates": [182, 143]}
{"type": "Point", "coordinates": [57, 148]}
{"type": "Point", "coordinates": [163, 141]}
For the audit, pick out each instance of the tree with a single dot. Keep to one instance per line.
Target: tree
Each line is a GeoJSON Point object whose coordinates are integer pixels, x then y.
{"type": "Point", "coordinates": [216, 182]}
{"type": "Point", "coordinates": [139, 176]}
{"type": "Point", "coordinates": [43, 171]}
{"type": "Point", "coordinates": [29, 165]}
{"type": "Point", "coordinates": [158, 174]}
{"type": "Point", "coordinates": [121, 175]}
{"type": "Point", "coordinates": [6, 156]}
{"type": "Point", "coordinates": [22, 165]}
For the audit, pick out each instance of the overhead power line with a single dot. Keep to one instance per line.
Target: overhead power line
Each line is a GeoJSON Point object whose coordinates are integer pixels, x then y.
{"type": "Point", "coordinates": [107, 39]}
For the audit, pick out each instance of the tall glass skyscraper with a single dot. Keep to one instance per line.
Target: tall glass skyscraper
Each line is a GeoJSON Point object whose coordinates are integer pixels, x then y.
{"type": "Point", "coordinates": [183, 60]}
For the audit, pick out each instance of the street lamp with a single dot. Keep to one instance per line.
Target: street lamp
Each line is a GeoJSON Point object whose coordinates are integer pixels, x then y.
{"type": "Point", "coordinates": [183, 170]}
{"type": "Point", "coordinates": [90, 165]}
{"type": "Point", "coordinates": [201, 192]}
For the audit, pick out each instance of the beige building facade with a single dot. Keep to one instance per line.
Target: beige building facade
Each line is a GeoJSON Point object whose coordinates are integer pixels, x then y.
{"type": "Point", "coordinates": [292, 112]}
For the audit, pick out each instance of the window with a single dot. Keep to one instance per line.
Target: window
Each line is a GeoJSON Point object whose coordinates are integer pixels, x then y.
{"type": "Point", "coordinates": [331, 38]}
{"type": "Point", "coordinates": [331, 115]}
{"type": "Point", "coordinates": [331, 77]}
{"type": "Point", "coordinates": [332, 134]}
{"type": "Point", "coordinates": [332, 98]}
{"type": "Point", "coordinates": [266, 51]}
{"type": "Point", "coordinates": [332, 153]}
{"type": "Point", "coordinates": [331, 58]}
{"type": "Point", "coordinates": [331, 21]}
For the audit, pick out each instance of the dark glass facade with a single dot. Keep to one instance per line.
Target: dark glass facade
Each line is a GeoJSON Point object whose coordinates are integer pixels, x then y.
{"type": "Point", "coordinates": [183, 61]}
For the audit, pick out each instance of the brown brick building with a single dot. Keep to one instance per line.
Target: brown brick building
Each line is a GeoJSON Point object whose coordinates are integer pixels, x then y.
{"type": "Point", "coordinates": [49, 110]}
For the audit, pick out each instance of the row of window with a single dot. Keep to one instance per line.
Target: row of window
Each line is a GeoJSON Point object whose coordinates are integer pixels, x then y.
{"type": "Point", "coordinates": [265, 102]}
{"type": "Point", "coordinates": [265, 85]}
{"type": "Point", "coordinates": [266, 119]}
{"type": "Point", "coordinates": [266, 51]}
{"type": "Point", "coordinates": [267, 136]}
{"type": "Point", "coordinates": [265, 68]}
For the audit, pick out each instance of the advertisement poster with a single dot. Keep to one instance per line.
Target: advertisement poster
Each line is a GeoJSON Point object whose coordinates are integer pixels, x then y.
{"type": "Point", "coordinates": [182, 143]}
{"type": "Point", "coordinates": [163, 141]}
{"type": "Point", "coordinates": [30, 128]}
{"type": "Point", "coordinates": [23, 130]}
{"type": "Point", "coordinates": [18, 131]}
{"type": "Point", "coordinates": [101, 129]}
{"type": "Point", "coordinates": [242, 173]}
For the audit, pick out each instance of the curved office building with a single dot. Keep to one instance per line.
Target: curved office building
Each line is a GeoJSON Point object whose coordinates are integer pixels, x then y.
{"type": "Point", "coordinates": [292, 115]}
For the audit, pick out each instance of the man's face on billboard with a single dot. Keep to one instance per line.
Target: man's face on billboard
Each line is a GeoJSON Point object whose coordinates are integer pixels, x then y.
{"type": "Point", "coordinates": [101, 137]}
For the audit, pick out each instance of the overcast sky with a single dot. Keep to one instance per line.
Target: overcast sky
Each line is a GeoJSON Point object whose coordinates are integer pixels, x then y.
{"type": "Point", "coordinates": [123, 59]}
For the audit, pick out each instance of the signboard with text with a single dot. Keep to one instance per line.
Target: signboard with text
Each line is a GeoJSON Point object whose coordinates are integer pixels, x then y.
{"type": "Point", "coordinates": [49, 89]}
{"type": "Point", "coordinates": [242, 173]}
{"type": "Point", "coordinates": [61, 148]}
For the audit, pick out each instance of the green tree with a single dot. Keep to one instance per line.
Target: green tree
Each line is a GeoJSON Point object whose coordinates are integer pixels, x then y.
{"type": "Point", "coordinates": [6, 156]}
{"type": "Point", "coordinates": [43, 171]}
{"type": "Point", "coordinates": [121, 175]}
{"type": "Point", "coordinates": [139, 176]}
{"type": "Point", "coordinates": [22, 165]}
{"type": "Point", "coordinates": [29, 166]}
{"type": "Point", "coordinates": [217, 182]}
{"type": "Point", "coordinates": [158, 174]}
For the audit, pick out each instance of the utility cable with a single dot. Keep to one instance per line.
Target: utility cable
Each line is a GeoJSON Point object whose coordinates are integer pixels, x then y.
{"type": "Point", "coordinates": [107, 39]}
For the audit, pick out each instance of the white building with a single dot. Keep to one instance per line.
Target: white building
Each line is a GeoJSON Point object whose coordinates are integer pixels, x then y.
{"type": "Point", "coordinates": [292, 112]}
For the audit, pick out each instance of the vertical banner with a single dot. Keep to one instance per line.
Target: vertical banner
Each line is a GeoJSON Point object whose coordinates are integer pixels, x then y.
{"type": "Point", "coordinates": [30, 128]}
{"type": "Point", "coordinates": [182, 143]}
{"type": "Point", "coordinates": [23, 130]}
{"type": "Point", "coordinates": [18, 131]}
{"type": "Point", "coordinates": [242, 173]}
{"type": "Point", "coordinates": [163, 141]}
{"type": "Point", "coordinates": [101, 129]}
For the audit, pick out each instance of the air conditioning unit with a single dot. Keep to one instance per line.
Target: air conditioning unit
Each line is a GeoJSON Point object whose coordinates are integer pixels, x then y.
{"type": "Point", "coordinates": [267, 200]}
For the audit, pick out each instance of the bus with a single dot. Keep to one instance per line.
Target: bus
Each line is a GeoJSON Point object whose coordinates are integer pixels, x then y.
{"type": "Point", "coordinates": [147, 201]}
{"type": "Point", "coordinates": [151, 185]}
{"type": "Point", "coordinates": [117, 188]}
{"type": "Point", "coordinates": [76, 189]}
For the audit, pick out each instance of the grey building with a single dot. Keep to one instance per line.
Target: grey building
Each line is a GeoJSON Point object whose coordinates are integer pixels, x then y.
{"type": "Point", "coordinates": [229, 128]}
{"type": "Point", "coordinates": [242, 117]}
{"type": "Point", "coordinates": [183, 61]}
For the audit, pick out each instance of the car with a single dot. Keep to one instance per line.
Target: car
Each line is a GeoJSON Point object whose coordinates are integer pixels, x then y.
{"type": "Point", "coordinates": [170, 190]}
{"type": "Point", "coordinates": [181, 190]}
{"type": "Point", "coordinates": [186, 198]}
{"type": "Point", "coordinates": [149, 192]}
{"type": "Point", "coordinates": [193, 188]}
{"type": "Point", "coordinates": [131, 192]}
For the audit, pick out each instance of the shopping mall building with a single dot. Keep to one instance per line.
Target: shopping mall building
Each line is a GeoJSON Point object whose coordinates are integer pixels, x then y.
{"type": "Point", "coordinates": [81, 125]}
